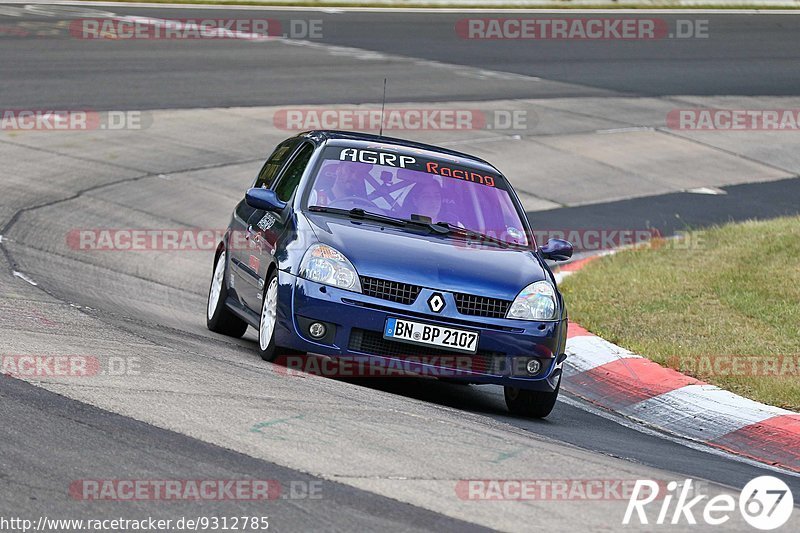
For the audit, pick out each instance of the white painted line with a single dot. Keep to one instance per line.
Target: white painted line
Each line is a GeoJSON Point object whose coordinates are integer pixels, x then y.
{"type": "Point", "coordinates": [358, 53]}
{"type": "Point", "coordinates": [706, 190]}
{"type": "Point", "coordinates": [23, 277]}
{"type": "Point", "coordinates": [459, 10]}
{"type": "Point", "coordinates": [344, 51]}
{"type": "Point", "coordinates": [62, 10]}
{"type": "Point", "coordinates": [176, 25]}
{"type": "Point", "coordinates": [371, 55]}
{"type": "Point", "coordinates": [702, 412]}
{"type": "Point", "coordinates": [588, 352]}
{"type": "Point", "coordinates": [561, 275]}
{"type": "Point", "coordinates": [625, 130]}
{"type": "Point", "coordinates": [647, 429]}
{"type": "Point", "coordinates": [8, 11]}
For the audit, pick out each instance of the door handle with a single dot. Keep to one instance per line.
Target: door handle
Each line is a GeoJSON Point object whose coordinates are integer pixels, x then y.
{"type": "Point", "coordinates": [254, 234]}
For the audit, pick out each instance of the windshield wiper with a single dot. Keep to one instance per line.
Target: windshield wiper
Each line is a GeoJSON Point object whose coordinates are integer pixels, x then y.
{"type": "Point", "coordinates": [472, 234]}
{"type": "Point", "coordinates": [442, 228]}
{"type": "Point", "coordinates": [360, 214]}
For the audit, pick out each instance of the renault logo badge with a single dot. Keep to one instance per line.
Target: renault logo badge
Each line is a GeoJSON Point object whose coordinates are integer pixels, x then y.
{"type": "Point", "coordinates": [436, 302]}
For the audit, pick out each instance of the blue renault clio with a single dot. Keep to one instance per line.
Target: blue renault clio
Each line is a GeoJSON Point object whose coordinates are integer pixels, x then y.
{"type": "Point", "coordinates": [354, 245]}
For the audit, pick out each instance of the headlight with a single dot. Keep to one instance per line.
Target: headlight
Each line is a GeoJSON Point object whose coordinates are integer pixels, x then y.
{"type": "Point", "coordinates": [537, 301]}
{"type": "Point", "coordinates": [329, 266]}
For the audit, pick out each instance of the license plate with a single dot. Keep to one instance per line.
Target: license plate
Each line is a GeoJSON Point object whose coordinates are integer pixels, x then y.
{"type": "Point", "coordinates": [453, 339]}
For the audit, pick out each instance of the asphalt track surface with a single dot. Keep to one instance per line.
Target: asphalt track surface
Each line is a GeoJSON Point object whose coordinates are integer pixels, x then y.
{"type": "Point", "coordinates": [741, 56]}
{"type": "Point", "coordinates": [175, 421]}
{"type": "Point", "coordinates": [680, 211]}
{"type": "Point", "coordinates": [50, 418]}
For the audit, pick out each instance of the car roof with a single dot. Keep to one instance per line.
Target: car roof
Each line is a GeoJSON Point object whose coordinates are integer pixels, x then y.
{"type": "Point", "coordinates": [358, 139]}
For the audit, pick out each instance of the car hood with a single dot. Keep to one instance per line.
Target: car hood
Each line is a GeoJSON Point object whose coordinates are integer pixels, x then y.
{"type": "Point", "coordinates": [429, 260]}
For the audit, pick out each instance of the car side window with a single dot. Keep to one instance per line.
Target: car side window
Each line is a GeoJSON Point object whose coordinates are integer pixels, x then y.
{"type": "Point", "coordinates": [291, 178]}
{"type": "Point", "coordinates": [266, 178]}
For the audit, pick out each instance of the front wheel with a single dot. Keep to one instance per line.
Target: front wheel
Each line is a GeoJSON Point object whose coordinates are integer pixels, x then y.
{"type": "Point", "coordinates": [269, 318]}
{"type": "Point", "coordinates": [219, 318]}
{"type": "Point", "coordinates": [531, 403]}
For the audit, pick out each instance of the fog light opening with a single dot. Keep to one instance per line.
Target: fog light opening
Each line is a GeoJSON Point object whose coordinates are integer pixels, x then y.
{"type": "Point", "coordinates": [533, 366]}
{"type": "Point", "coordinates": [318, 330]}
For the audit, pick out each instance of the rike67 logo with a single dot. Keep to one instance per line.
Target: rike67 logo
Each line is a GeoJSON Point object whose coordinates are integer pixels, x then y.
{"type": "Point", "coordinates": [765, 503]}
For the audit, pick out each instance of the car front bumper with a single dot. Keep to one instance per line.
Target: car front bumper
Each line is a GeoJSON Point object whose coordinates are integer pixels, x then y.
{"type": "Point", "coordinates": [355, 324]}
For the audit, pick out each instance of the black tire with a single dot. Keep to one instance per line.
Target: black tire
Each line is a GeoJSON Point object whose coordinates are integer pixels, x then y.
{"type": "Point", "coordinates": [270, 351]}
{"type": "Point", "coordinates": [452, 381]}
{"type": "Point", "coordinates": [531, 403]}
{"type": "Point", "coordinates": [219, 318]}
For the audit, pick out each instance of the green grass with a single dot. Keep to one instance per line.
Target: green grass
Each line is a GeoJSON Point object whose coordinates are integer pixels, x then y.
{"type": "Point", "coordinates": [734, 293]}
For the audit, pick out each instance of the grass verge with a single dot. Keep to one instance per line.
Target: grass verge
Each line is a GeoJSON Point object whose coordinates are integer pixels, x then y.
{"type": "Point", "coordinates": [723, 306]}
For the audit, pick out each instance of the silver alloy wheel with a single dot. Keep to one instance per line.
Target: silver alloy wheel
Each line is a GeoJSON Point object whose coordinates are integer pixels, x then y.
{"type": "Point", "coordinates": [216, 285]}
{"type": "Point", "coordinates": [269, 314]}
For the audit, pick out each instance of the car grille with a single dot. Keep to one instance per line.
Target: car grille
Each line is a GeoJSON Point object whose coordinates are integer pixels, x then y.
{"type": "Point", "coordinates": [468, 304]}
{"type": "Point", "coordinates": [405, 293]}
{"type": "Point", "coordinates": [372, 342]}
{"type": "Point", "coordinates": [390, 290]}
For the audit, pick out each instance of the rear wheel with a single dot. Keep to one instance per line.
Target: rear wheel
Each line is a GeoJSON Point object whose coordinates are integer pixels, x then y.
{"type": "Point", "coordinates": [269, 318]}
{"type": "Point", "coordinates": [531, 403]}
{"type": "Point", "coordinates": [219, 318]}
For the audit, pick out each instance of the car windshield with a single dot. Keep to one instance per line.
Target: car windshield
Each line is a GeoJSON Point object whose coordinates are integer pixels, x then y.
{"type": "Point", "coordinates": [418, 187]}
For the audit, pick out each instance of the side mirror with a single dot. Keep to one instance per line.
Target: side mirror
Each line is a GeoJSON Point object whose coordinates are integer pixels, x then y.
{"type": "Point", "coordinates": [264, 199]}
{"type": "Point", "coordinates": [557, 250]}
